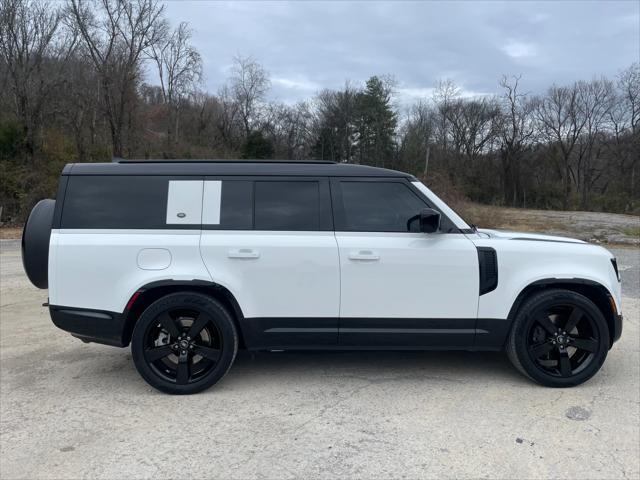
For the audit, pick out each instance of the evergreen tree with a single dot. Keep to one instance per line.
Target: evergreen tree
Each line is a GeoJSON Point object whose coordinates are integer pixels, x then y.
{"type": "Point", "coordinates": [376, 123]}
{"type": "Point", "coordinates": [336, 130]}
{"type": "Point", "coordinates": [257, 147]}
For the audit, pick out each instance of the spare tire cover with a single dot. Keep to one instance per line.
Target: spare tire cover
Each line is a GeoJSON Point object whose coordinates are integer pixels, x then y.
{"type": "Point", "coordinates": [35, 242]}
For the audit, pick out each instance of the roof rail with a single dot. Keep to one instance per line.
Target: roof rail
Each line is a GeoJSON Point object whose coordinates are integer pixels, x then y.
{"type": "Point", "coordinates": [219, 160]}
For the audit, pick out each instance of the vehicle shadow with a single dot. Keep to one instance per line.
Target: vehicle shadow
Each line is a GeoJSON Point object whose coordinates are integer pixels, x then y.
{"type": "Point", "coordinates": [373, 366]}
{"type": "Point", "coordinates": [109, 369]}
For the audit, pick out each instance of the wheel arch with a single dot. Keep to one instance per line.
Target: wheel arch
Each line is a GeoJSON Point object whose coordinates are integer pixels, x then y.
{"type": "Point", "coordinates": [594, 291]}
{"type": "Point", "coordinates": [149, 293]}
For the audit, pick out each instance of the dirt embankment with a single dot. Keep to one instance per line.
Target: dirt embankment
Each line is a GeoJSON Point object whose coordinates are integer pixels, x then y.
{"type": "Point", "coordinates": [9, 233]}
{"type": "Point", "coordinates": [610, 228]}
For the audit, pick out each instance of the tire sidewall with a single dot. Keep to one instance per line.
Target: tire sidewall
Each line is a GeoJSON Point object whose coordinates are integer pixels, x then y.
{"type": "Point", "coordinates": [221, 319]}
{"type": "Point", "coordinates": [538, 305]}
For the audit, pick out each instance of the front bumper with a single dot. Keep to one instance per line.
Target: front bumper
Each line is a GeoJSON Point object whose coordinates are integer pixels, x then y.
{"type": "Point", "coordinates": [617, 328]}
{"type": "Point", "coordinates": [96, 326]}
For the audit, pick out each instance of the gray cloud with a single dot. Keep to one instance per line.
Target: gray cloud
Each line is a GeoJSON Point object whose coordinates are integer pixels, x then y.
{"type": "Point", "coordinates": [307, 46]}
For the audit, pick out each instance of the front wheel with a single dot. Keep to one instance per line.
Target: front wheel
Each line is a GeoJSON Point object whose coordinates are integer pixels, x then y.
{"type": "Point", "coordinates": [559, 338]}
{"type": "Point", "coordinates": [184, 343]}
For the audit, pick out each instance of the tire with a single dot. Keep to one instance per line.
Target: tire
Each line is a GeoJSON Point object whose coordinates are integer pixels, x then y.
{"type": "Point", "coordinates": [539, 347]}
{"type": "Point", "coordinates": [184, 343]}
{"type": "Point", "coordinates": [35, 242]}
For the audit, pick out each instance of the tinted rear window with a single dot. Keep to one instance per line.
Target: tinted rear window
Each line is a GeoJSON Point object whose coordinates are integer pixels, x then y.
{"type": "Point", "coordinates": [287, 205]}
{"type": "Point", "coordinates": [236, 212]}
{"type": "Point", "coordinates": [115, 202]}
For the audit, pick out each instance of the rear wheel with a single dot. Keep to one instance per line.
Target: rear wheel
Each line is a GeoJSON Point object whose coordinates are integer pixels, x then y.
{"type": "Point", "coordinates": [184, 343]}
{"type": "Point", "coordinates": [559, 338]}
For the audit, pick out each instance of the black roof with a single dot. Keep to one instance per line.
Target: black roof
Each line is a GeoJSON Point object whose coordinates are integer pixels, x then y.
{"type": "Point", "coordinates": [230, 167]}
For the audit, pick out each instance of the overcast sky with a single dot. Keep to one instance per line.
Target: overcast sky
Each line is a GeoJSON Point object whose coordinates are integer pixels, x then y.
{"type": "Point", "coordinates": [307, 46]}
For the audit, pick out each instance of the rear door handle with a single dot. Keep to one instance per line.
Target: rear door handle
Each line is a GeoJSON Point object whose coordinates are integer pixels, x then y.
{"type": "Point", "coordinates": [364, 255]}
{"type": "Point", "coordinates": [243, 253]}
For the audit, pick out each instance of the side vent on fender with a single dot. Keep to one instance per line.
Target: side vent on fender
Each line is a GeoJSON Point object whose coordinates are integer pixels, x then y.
{"type": "Point", "coordinates": [488, 262]}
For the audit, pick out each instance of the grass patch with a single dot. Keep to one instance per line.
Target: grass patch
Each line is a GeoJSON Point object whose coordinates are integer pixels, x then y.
{"type": "Point", "coordinates": [631, 231]}
{"type": "Point", "coordinates": [481, 215]}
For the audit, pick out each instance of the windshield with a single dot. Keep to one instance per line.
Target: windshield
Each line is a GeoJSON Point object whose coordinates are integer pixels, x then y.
{"type": "Point", "coordinates": [443, 207]}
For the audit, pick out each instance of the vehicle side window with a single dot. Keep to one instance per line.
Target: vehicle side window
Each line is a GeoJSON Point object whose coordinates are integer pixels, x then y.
{"type": "Point", "coordinates": [227, 205]}
{"type": "Point", "coordinates": [287, 205]}
{"type": "Point", "coordinates": [379, 207]}
{"type": "Point", "coordinates": [115, 202]}
{"type": "Point", "coordinates": [237, 205]}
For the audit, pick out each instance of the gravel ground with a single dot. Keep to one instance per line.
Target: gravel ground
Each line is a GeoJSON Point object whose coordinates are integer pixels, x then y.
{"type": "Point", "coordinates": [70, 410]}
{"type": "Point", "coordinates": [598, 227]}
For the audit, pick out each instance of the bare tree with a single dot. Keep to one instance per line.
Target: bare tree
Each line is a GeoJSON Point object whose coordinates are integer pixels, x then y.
{"type": "Point", "coordinates": [35, 51]}
{"type": "Point", "coordinates": [201, 114]}
{"type": "Point", "coordinates": [117, 33]}
{"type": "Point", "coordinates": [595, 101]}
{"type": "Point", "coordinates": [474, 125]}
{"type": "Point", "coordinates": [629, 87]}
{"type": "Point", "coordinates": [81, 103]}
{"type": "Point", "coordinates": [516, 131]}
{"type": "Point", "coordinates": [417, 134]}
{"type": "Point", "coordinates": [179, 68]}
{"type": "Point", "coordinates": [445, 93]}
{"type": "Point", "coordinates": [560, 124]}
{"type": "Point", "coordinates": [290, 128]}
{"type": "Point", "coordinates": [624, 118]}
{"type": "Point", "coordinates": [249, 85]}
{"type": "Point", "coordinates": [228, 121]}
{"type": "Point", "coordinates": [334, 124]}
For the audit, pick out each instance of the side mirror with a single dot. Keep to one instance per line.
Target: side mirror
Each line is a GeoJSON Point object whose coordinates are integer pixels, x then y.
{"type": "Point", "coordinates": [429, 220]}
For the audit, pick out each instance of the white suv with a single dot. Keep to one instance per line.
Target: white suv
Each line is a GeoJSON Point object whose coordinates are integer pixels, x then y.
{"type": "Point", "coordinates": [190, 260]}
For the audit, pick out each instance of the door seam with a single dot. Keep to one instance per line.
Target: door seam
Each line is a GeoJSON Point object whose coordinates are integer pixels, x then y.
{"type": "Point", "coordinates": [339, 286]}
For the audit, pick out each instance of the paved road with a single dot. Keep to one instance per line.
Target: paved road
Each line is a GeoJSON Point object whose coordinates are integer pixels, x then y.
{"type": "Point", "coordinates": [70, 410]}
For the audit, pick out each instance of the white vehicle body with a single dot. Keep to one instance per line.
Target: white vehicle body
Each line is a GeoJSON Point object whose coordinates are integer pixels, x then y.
{"type": "Point", "coordinates": [318, 262]}
{"type": "Point", "coordinates": [322, 287]}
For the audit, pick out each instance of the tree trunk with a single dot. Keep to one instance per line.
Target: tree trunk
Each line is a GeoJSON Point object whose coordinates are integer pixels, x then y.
{"type": "Point", "coordinates": [567, 186]}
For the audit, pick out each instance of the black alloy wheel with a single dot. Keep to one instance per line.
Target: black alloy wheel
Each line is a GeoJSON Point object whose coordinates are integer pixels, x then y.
{"type": "Point", "coordinates": [562, 340]}
{"type": "Point", "coordinates": [559, 338]}
{"type": "Point", "coordinates": [184, 343]}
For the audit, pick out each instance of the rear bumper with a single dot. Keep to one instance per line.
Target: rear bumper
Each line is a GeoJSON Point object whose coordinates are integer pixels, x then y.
{"type": "Point", "coordinates": [91, 325]}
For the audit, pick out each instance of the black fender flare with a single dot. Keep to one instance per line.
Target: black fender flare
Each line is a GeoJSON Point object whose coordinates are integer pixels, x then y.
{"type": "Point", "coordinates": [147, 294]}
{"type": "Point", "coordinates": [594, 291]}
